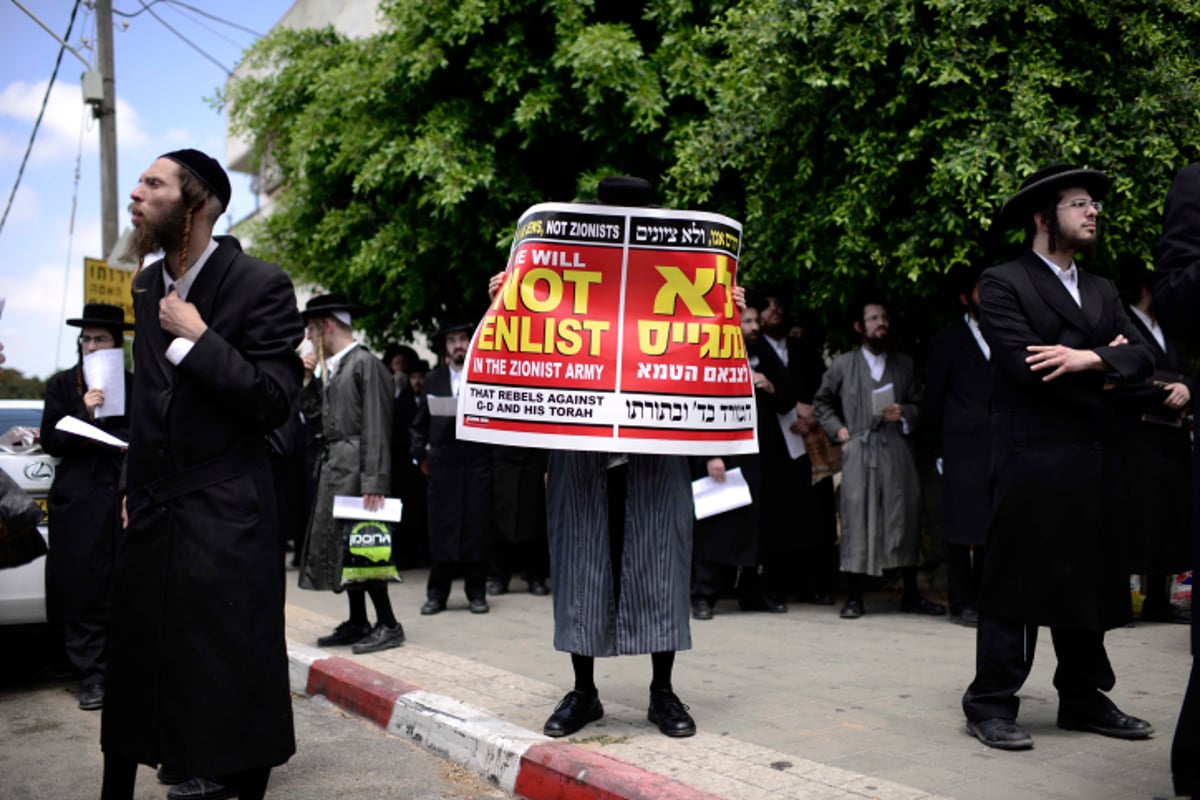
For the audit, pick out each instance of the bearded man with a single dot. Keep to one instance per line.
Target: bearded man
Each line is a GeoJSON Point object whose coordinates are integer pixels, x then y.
{"type": "Point", "coordinates": [1059, 337]}
{"type": "Point", "coordinates": [880, 493]}
{"type": "Point", "coordinates": [198, 673]}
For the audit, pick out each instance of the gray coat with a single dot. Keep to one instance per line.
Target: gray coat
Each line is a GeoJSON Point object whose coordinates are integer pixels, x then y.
{"type": "Point", "coordinates": [880, 494]}
{"type": "Point", "coordinates": [355, 416]}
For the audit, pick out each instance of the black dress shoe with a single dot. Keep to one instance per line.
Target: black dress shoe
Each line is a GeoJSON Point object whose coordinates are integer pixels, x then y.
{"type": "Point", "coordinates": [200, 789]}
{"type": "Point", "coordinates": [852, 610]}
{"type": "Point", "coordinates": [539, 588]}
{"type": "Point", "coordinates": [701, 609]}
{"type": "Point", "coordinates": [346, 633]}
{"type": "Point", "coordinates": [1002, 734]}
{"type": "Point", "coordinates": [762, 604]}
{"type": "Point", "coordinates": [1109, 723]}
{"type": "Point", "coordinates": [381, 637]}
{"type": "Point", "coordinates": [478, 606]}
{"type": "Point", "coordinates": [433, 606]}
{"type": "Point", "coordinates": [669, 713]}
{"type": "Point", "coordinates": [496, 587]}
{"type": "Point", "coordinates": [168, 776]}
{"type": "Point", "coordinates": [91, 696]}
{"type": "Point", "coordinates": [919, 605]}
{"type": "Point", "coordinates": [574, 711]}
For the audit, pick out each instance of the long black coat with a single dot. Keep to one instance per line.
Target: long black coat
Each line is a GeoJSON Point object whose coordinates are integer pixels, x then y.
{"type": "Point", "coordinates": [1155, 468]}
{"type": "Point", "coordinates": [85, 530]}
{"type": "Point", "coordinates": [198, 673]}
{"type": "Point", "coordinates": [460, 477]}
{"type": "Point", "coordinates": [792, 516]}
{"type": "Point", "coordinates": [1053, 556]}
{"type": "Point", "coordinates": [958, 392]}
{"type": "Point", "coordinates": [1177, 303]}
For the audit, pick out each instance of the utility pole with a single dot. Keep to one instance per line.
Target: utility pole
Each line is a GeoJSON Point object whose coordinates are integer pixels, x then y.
{"type": "Point", "coordinates": [106, 113]}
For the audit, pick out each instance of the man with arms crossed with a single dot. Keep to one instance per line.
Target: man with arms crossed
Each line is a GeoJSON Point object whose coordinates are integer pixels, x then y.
{"type": "Point", "coordinates": [1058, 337]}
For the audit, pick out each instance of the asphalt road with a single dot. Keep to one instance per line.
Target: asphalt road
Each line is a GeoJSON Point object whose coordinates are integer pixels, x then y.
{"type": "Point", "coordinates": [50, 749]}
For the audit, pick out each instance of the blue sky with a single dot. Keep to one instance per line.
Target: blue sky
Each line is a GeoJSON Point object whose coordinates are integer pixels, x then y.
{"type": "Point", "coordinates": [161, 83]}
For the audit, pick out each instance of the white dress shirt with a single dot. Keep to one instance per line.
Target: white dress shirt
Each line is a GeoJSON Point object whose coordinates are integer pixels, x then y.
{"type": "Point", "coordinates": [1068, 276]}
{"type": "Point", "coordinates": [1152, 325]}
{"type": "Point", "coordinates": [180, 347]}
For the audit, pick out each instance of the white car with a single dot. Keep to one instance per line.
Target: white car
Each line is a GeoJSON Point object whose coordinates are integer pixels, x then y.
{"type": "Point", "coordinates": [23, 589]}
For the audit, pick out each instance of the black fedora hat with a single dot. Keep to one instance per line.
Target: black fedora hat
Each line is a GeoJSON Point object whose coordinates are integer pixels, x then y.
{"type": "Point", "coordinates": [101, 315]}
{"type": "Point", "coordinates": [326, 304]}
{"type": "Point", "coordinates": [1047, 180]}
{"type": "Point", "coordinates": [447, 328]}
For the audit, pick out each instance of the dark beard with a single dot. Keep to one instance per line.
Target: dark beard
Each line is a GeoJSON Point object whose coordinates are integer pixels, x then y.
{"type": "Point", "coordinates": [164, 235]}
{"type": "Point", "coordinates": [878, 343]}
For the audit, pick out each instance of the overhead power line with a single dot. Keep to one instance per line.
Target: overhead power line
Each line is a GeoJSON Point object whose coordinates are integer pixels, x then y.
{"type": "Point", "coordinates": [215, 18]}
{"type": "Point", "coordinates": [37, 123]}
{"type": "Point", "coordinates": [185, 40]}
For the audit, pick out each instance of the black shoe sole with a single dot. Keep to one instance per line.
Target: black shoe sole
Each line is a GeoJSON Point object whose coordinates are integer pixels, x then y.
{"type": "Point", "coordinates": [558, 734]}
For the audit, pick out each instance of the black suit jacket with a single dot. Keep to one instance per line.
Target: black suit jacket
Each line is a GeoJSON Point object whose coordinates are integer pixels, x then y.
{"type": "Point", "coordinates": [1053, 557]}
{"type": "Point", "coordinates": [958, 392]}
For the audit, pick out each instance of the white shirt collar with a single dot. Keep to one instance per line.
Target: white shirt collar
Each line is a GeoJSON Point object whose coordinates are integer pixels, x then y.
{"type": "Point", "coordinates": [875, 363]}
{"type": "Point", "coordinates": [779, 346]}
{"type": "Point", "coordinates": [184, 285]}
{"type": "Point", "coordinates": [1151, 325]}
{"type": "Point", "coordinates": [334, 360]}
{"type": "Point", "coordinates": [1068, 276]}
{"type": "Point", "coordinates": [973, 325]}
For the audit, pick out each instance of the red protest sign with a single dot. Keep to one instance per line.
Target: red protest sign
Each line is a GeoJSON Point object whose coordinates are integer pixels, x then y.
{"type": "Point", "coordinates": [615, 330]}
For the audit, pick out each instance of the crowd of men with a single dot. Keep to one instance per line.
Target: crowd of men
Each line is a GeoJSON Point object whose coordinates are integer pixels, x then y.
{"type": "Point", "coordinates": [1058, 412]}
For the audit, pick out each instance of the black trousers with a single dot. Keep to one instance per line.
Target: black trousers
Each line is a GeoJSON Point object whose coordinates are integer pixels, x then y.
{"type": "Point", "coordinates": [710, 580]}
{"type": "Point", "coordinates": [1004, 655]}
{"type": "Point", "coordinates": [964, 570]}
{"type": "Point", "coordinates": [85, 641]}
{"type": "Point", "coordinates": [442, 573]}
{"type": "Point", "coordinates": [1185, 748]}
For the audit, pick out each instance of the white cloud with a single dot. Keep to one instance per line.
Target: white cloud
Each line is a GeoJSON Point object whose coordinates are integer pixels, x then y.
{"type": "Point", "coordinates": [25, 208]}
{"type": "Point", "coordinates": [66, 115]}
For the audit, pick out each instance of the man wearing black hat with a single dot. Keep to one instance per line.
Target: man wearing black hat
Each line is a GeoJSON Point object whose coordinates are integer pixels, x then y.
{"type": "Point", "coordinates": [198, 675]}
{"type": "Point", "coordinates": [84, 500]}
{"type": "Point", "coordinates": [353, 405]}
{"type": "Point", "coordinates": [1058, 337]}
{"type": "Point", "coordinates": [460, 480]}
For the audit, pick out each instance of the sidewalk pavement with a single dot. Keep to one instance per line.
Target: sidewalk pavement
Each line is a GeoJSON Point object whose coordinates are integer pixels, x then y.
{"type": "Point", "coordinates": [800, 705]}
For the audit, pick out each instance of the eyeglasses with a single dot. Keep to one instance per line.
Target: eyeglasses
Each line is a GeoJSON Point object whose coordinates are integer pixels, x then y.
{"type": "Point", "coordinates": [1081, 204]}
{"type": "Point", "coordinates": [86, 340]}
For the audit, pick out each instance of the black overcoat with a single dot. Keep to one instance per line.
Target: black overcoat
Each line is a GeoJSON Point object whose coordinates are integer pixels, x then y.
{"type": "Point", "coordinates": [792, 516]}
{"type": "Point", "coordinates": [85, 529]}
{"type": "Point", "coordinates": [198, 670]}
{"type": "Point", "coordinates": [1155, 465]}
{"type": "Point", "coordinates": [1053, 557]}
{"type": "Point", "coordinates": [460, 477]}
{"type": "Point", "coordinates": [958, 393]}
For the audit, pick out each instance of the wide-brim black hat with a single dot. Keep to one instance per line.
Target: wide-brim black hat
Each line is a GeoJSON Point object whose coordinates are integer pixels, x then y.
{"type": "Point", "coordinates": [1037, 187]}
{"type": "Point", "coordinates": [102, 315]}
{"type": "Point", "coordinates": [326, 304]}
{"type": "Point", "coordinates": [447, 328]}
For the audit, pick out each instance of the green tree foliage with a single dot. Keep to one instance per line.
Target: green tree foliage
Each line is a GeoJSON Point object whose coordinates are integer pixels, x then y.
{"type": "Point", "coordinates": [407, 157]}
{"type": "Point", "coordinates": [859, 142]}
{"type": "Point", "coordinates": [15, 386]}
{"type": "Point", "coordinates": [874, 142]}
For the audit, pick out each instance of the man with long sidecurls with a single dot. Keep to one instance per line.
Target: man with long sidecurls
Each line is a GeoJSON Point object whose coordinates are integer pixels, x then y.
{"type": "Point", "coordinates": [1058, 337]}
{"type": "Point", "coordinates": [198, 675]}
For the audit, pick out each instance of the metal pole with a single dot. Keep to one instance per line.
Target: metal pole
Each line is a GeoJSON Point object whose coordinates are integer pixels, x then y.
{"type": "Point", "coordinates": [106, 113]}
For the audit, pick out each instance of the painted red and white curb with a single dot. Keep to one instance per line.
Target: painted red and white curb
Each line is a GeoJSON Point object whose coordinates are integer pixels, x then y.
{"type": "Point", "coordinates": [513, 758]}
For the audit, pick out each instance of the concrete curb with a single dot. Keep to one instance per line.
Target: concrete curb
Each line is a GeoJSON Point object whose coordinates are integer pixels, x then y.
{"type": "Point", "coordinates": [513, 758]}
